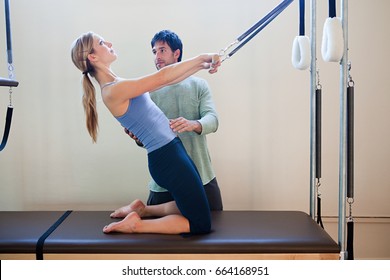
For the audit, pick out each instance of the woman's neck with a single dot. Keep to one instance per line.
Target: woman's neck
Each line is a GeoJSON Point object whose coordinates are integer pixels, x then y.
{"type": "Point", "coordinates": [105, 77]}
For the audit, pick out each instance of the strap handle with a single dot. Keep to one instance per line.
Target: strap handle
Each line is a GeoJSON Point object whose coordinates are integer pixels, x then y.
{"type": "Point", "coordinates": [7, 127]}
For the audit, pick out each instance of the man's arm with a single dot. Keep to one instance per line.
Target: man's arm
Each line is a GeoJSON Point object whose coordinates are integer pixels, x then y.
{"type": "Point", "coordinates": [208, 118]}
{"type": "Point", "coordinates": [208, 114]}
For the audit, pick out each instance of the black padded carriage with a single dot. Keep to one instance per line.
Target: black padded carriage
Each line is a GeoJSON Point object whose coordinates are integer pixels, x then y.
{"type": "Point", "coordinates": [235, 234]}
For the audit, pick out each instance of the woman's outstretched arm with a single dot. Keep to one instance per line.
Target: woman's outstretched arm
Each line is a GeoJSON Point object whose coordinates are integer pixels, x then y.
{"type": "Point", "coordinates": [168, 75]}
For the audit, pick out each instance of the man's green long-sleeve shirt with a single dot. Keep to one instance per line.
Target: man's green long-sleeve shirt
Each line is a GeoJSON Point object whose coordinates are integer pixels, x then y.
{"type": "Point", "coordinates": [192, 100]}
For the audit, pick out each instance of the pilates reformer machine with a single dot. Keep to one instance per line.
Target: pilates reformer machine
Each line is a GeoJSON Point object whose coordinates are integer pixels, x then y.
{"type": "Point", "coordinates": [235, 234]}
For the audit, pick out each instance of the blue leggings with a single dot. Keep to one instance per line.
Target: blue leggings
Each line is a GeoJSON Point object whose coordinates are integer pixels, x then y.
{"type": "Point", "coordinates": [172, 168]}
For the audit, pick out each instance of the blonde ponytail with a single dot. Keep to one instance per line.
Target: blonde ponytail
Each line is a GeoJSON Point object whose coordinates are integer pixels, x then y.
{"type": "Point", "coordinates": [81, 48]}
{"type": "Point", "coordinates": [89, 103]}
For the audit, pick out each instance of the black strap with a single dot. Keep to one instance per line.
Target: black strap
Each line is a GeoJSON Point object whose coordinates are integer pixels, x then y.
{"type": "Point", "coordinates": [301, 17]}
{"type": "Point", "coordinates": [350, 240]}
{"type": "Point", "coordinates": [7, 127]}
{"type": "Point", "coordinates": [319, 218]}
{"type": "Point", "coordinates": [260, 25]}
{"type": "Point", "coordinates": [276, 10]}
{"type": "Point", "coordinates": [41, 240]}
{"type": "Point", "coordinates": [332, 8]}
{"type": "Point", "coordinates": [8, 31]}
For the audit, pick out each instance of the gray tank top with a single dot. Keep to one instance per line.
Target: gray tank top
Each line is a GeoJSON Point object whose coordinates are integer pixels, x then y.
{"type": "Point", "coordinates": [146, 121]}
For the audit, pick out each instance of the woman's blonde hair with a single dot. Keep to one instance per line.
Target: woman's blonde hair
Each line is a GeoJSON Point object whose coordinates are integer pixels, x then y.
{"type": "Point", "coordinates": [81, 48]}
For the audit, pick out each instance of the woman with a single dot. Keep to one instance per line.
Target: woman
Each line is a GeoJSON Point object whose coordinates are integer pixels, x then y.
{"type": "Point", "coordinates": [129, 102]}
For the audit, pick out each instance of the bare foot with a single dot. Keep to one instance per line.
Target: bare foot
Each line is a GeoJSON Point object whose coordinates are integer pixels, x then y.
{"type": "Point", "coordinates": [127, 225]}
{"type": "Point", "coordinates": [136, 206]}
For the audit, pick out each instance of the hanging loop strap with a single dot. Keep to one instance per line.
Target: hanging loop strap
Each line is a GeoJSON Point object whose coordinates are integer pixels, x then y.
{"type": "Point", "coordinates": [7, 127]}
{"type": "Point", "coordinates": [253, 31]}
{"type": "Point", "coordinates": [8, 82]}
{"type": "Point", "coordinates": [301, 56]}
{"type": "Point", "coordinates": [332, 47]}
{"type": "Point", "coordinates": [8, 121]}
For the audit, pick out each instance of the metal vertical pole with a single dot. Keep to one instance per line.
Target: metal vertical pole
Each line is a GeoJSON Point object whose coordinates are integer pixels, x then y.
{"type": "Point", "coordinates": [313, 84]}
{"type": "Point", "coordinates": [343, 134]}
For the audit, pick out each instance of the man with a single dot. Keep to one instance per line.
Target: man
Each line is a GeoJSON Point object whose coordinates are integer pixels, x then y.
{"type": "Point", "coordinates": [192, 114]}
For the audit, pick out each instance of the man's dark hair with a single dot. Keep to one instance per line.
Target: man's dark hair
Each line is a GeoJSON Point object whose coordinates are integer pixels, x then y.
{"type": "Point", "coordinates": [171, 39]}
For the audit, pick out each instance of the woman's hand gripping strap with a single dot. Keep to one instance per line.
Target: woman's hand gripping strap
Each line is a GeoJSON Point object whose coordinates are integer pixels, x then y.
{"type": "Point", "coordinates": [215, 63]}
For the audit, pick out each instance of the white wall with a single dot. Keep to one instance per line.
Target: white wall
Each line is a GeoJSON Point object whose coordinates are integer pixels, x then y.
{"type": "Point", "coordinates": [261, 150]}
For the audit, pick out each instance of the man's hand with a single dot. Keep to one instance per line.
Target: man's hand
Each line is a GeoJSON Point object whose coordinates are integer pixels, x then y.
{"type": "Point", "coordinates": [183, 125]}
